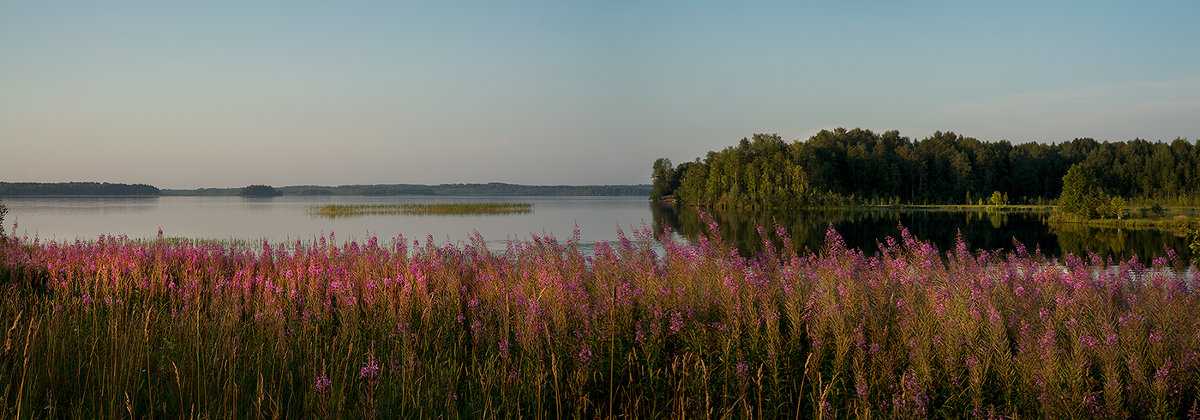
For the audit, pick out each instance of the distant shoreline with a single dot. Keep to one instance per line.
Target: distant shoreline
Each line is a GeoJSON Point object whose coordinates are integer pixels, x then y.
{"type": "Point", "coordinates": [110, 190]}
{"type": "Point", "coordinates": [6, 196]}
{"type": "Point", "coordinates": [492, 189]}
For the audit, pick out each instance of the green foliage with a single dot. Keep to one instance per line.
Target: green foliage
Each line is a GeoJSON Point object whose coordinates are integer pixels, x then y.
{"type": "Point", "coordinates": [1083, 199]}
{"type": "Point", "coordinates": [259, 191]}
{"type": "Point", "coordinates": [1195, 245]}
{"type": "Point", "coordinates": [664, 180]}
{"type": "Point", "coordinates": [998, 199]}
{"type": "Point", "coordinates": [1081, 196]}
{"type": "Point", "coordinates": [852, 167]}
{"type": "Point", "coordinates": [1157, 210]}
{"type": "Point", "coordinates": [1114, 208]}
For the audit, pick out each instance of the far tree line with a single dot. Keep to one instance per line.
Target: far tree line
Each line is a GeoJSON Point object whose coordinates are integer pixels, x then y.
{"type": "Point", "coordinates": [75, 189]}
{"type": "Point", "coordinates": [19, 189]}
{"type": "Point", "coordinates": [856, 167]}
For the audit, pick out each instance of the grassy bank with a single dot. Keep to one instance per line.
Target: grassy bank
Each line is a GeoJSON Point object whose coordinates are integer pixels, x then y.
{"type": "Point", "coordinates": [341, 210]}
{"type": "Point", "coordinates": [116, 328]}
{"type": "Point", "coordinates": [1178, 223]}
{"type": "Point", "coordinates": [965, 207]}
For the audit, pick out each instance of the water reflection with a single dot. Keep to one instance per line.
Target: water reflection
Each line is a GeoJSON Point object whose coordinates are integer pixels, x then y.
{"type": "Point", "coordinates": [285, 219]}
{"type": "Point", "coordinates": [988, 230]}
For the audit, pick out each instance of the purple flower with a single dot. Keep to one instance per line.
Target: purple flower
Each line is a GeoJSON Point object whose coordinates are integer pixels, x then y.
{"type": "Point", "coordinates": [370, 370]}
{"type": "Point", "coordinates": [676, 322]}
{"type": "Point", "coordinates": [1088, 342]}
{"type": "Point", "coordinates": [323, 383]}
{"type": "Point", "coordinates": [1162, 373]}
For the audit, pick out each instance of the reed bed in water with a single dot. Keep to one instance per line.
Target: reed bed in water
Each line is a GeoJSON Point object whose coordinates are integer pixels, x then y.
{"type": "Point", "coordinates": [340, 210]}
{"type": "Point", "coordinates": [116, 328]}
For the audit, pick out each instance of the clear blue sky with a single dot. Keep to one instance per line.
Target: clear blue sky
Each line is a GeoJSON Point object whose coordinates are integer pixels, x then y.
{"type": "Point", "coordinates": [193, 94]}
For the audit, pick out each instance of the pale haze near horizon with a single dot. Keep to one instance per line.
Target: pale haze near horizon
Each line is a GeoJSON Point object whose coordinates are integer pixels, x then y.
{"type": "Point", "coordinates": [226, 94]}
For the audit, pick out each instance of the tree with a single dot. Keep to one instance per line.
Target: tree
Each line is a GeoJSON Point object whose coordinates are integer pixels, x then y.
{"type": "Point", "coordinates": [661, 175]}
{"type": "Point", "coordinates": [998, 199]}
{"type": "Point", "coordinates": [1080, 194]}
{"type": "Point", "coordinates": [1113, 208]}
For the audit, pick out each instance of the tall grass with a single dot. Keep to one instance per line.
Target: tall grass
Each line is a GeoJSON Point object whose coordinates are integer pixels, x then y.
{"type": "Point", "coordinates": [342, 210]}
{"type": "Point", "coordinates": [539, 329]}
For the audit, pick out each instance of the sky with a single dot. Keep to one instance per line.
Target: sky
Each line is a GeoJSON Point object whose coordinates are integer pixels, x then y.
{"type": "Point", "coordinates": [232, 93]}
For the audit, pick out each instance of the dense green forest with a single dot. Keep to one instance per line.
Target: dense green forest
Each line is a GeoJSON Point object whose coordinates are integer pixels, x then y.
{"type": "Point", "coordinates": [855, 167]}
{"type": "Point", "coordinates": [8, 189]}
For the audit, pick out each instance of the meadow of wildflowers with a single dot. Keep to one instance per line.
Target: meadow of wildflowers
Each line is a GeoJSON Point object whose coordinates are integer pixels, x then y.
{"type": "Point", "coordinates": [644, 327]}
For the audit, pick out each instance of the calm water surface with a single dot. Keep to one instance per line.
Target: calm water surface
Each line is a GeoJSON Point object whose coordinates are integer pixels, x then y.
{"type": "Point", "coordinates": [978, 229]}
{"type": "Point", "coordinates": [286, 219]}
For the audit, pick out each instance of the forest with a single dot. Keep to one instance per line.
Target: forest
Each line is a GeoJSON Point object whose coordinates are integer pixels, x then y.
{"type": "Point", "coordinates": [8, 189]}
{"type": "Point", "coordinates": [860, 167]}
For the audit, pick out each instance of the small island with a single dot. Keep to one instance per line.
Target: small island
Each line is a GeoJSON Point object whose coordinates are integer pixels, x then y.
{"type": "Point", "coordinates": [259, 191]}
{"type": "Point", "coordinates": [341, 210]}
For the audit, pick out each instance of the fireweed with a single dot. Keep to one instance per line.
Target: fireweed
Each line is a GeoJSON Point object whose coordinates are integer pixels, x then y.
{"type": "Point", "coordinates": [646, 326]}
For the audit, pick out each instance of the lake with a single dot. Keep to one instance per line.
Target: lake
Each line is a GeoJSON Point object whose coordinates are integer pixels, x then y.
{"type": "Point", "coordinates": [286, 219]}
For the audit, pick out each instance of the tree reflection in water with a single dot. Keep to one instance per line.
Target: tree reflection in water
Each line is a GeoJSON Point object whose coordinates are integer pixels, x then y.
{"type": "Point", "coordinates": [988, 230]}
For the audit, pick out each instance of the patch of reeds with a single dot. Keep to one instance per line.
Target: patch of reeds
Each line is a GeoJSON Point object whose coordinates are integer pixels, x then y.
{"type": "Point", "coordinates": [343, 210]}
{"type": "Point", "coordinates": [118, 328]}
{"type": "Point", "coordinates": [1177, 223]}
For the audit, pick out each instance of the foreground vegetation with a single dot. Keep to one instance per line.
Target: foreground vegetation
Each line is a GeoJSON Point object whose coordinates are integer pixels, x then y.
{"type": "Point", "coordinates": [117, 327]}
{"type": "Point", "coordinates": [339, 210]}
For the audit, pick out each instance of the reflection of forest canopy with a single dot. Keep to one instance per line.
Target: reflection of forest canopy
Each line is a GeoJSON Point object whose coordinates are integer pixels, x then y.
{"type": "Point", "coordinates": [863, 229]}
{"type": "Point", "coordinates": [75, 188]}
{"type": "Point", "coordinates": [846, 167]}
